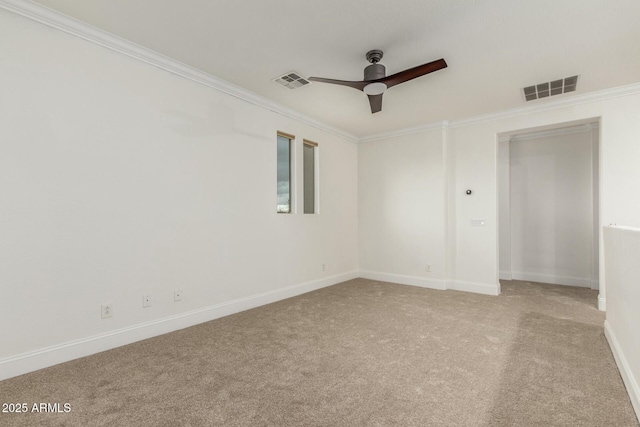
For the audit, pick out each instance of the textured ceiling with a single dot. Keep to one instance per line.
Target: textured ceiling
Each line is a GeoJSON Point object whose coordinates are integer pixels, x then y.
{"type": "Point", "coordinates": [493, 48]}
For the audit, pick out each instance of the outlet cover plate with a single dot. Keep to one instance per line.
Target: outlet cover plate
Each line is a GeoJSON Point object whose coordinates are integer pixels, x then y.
{"type": "Point", "coordinates": [106, 311]}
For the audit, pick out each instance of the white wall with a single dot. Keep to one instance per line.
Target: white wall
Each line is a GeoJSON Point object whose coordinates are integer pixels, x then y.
{"type": "Point", "coordinates": [119, 179]}
{"type": "Point", "coordinates": [622, 251]}
{"type": "Point", "coordinates": [407, 188]}
{"type": "Point", "coordinates": [551, 203]}
{"type": "Point", "coordinates": [474, 249]}
{"type": "Point", "coordinates": [470, 149]}
{"type": "Point", "coordinates": [402, 209]}
{"type": "Point", "coordinates": [474, 143]}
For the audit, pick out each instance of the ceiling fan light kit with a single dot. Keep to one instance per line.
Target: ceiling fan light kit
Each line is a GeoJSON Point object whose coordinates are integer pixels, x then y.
{"type": "Point", "coordinates": [376, 82]}
{"type": "Point", "coordinates": [375, 88]}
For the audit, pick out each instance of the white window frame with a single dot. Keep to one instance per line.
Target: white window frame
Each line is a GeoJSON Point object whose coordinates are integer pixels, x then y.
{"type": "Point", "coordinates": [316, 177]}
{"type": "Point", "coordinates": [292, 173]}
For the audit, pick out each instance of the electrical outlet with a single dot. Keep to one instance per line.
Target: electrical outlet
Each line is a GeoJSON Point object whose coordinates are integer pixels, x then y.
{"type": "Point", "coordinates": [428, 268]}
{"type": "Point", "coordinates": [177, 295]}
{"type": "Point", "coordinates": [106, 310]}
{"type": "Point", "coordinates": [324, 267]}
{"type": "Point", "coordinates": [146, 301]}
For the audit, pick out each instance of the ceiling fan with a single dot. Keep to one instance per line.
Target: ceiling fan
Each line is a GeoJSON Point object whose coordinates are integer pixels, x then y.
{"type": "Point", "coordinates": [375, 82]}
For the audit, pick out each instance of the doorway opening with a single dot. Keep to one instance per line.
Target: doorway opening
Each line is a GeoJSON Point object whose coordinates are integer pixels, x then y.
{"type": "Point", "coordinates": [549, 204]}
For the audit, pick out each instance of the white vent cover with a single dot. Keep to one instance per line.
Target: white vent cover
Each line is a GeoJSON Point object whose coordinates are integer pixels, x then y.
{"type": "Point", "coordinates": [291, 80]}
{"type": "Point", "coordinates": [556, 87]}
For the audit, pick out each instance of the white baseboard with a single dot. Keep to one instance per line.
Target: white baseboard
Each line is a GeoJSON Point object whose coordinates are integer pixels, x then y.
{"type": "Point", "coordinates": [583, 282]}
{"type": "Point", "coordinates": [475, 287]}
{"type": "Point", "coordinates": [630, 382]}
{"type": "Point", "coordinates": [422, 282]}
{"type": "Point", "coordinates": [602, 303]}
{"type": "Point", "coordinates": [505, 275]}
{"type": "Point", "coordinates": [53, 355]}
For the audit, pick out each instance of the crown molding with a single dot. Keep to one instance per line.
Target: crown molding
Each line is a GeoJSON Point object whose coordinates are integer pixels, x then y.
{"type": "Point", "coordinates": [406, 131]}
{"type": "Point", "coordinates": [569, 101]}
{"type": "Point", "coordinates": [54, 19]}
{"type": "Point", "coordinates": [57, 20]}
{"type": "Point", "coordinates": [514, 112]}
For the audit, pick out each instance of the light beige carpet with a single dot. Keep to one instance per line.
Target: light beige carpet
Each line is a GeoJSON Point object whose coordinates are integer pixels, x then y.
{"type": "Point", "coordinates": [361, 353]}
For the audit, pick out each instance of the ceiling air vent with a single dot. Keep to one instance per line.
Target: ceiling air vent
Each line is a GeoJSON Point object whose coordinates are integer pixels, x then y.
{"type": "Point", "coordinates": [291, 80]}
{"type": "Point", "coordinates": [547, 89]}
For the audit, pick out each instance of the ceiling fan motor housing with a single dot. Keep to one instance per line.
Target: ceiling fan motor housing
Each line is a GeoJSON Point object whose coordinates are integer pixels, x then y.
{"type": "Point", "coordinates": [376, 82]}
{"type": "Point", "coordinates": [374, 72]}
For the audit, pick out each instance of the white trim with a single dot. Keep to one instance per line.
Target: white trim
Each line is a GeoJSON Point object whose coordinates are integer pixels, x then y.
{"type": "Point", "coordinates": [53, 355]}
{"type": "Point", "coordinates": [505, 275]}
{"type": "Point", "coordinates": [422, 282]}
{"type": "Point", "coordinates": [475, 287]}
{"type": "Point", "coordinates": [405, 131]}
{"type": "Point", "coordinates": [55, 19]}
{"type": "Point", "coordinates": [631, 383]}
{"type": "Point", "coordinates": [583, 282]}
{"type": "Point", "coordinates": [570, 101]}
{"type": "Point", "coordinates": [602, 303]}
{"type": "Point", "coordinates": [552, 132]}
{"type": "Point", "coordinates": [624, 227]}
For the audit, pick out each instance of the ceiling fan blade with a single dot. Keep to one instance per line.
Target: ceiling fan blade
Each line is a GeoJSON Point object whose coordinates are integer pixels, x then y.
{"type": "Point", "coordinates": [412, 73]}
{"type": "Point", "coordinates": [355, 85]}
{"type": "Point", "coordinates": [376, 103]}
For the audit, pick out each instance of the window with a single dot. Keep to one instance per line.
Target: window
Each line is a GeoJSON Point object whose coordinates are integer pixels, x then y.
{"type": "Point", "coordinates": [284, 172]}
{"type": "Point", "coordinates": [309, 170]}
